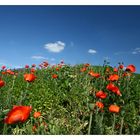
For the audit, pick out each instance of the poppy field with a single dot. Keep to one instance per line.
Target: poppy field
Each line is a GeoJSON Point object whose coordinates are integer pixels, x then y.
{"type": "Point", "coordinates": [70, 100]}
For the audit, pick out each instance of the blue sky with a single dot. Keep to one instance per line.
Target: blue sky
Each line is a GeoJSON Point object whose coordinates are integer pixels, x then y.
{"type": "Point", "coordinates": [76, 34]}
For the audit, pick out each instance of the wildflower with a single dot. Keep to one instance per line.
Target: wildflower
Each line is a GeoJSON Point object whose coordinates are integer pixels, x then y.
{"type": "Point", "coordinates": [54, 76]}
{"type": "Point", "coordinates": [10, 72]}
{"type": "Point", "coordinates": [33, 65]}
{"type": "Point", "coordinates": [2, 83]}
{"type": "Point", "coordinates": [83, 69]}
{"type": "Point", "coordinates": [32, 70]}
{"type": "Point", "coordinates": [114, 108]}
{"type": "Point", "coordinates": [26, 66]}
{"type": "Point", "coordinates": [34, 128]}
{"type": "Point", "coordinates": [115, 70]}
{"type": "Point", "coordinates": [101, 94]}
{"type": "Point", "coordinates": [127, 74]}
{"type": "Point", "coordinates": [131, 68]}
{"type": "Point", "coordinates": [113, 77]}
{"type": "Point", "coordinates": [37, 114]}
{"type": "Point", "coordinates": [3, 67]}
{"type": "Point", "coordinates": [42, 124]}
{"type": "Point", "coordinates": [117, 126]}
{"type": "Point", "coordinates": [100, 105]}
{"type": "Point", "coordinates": [113, 88]}
{"type": "Point", "coordinates": [3, 72]}
{"type": "Point", "coordinates": [18, 114]}
{"type": "Point", "coordinates": [62, 62]}
{"type": "Point", "coordinates": [57, 69]}
{"type": "Point", "coordinates": [29, 77]}
{"type": "Point", "coordinates": [107, 69]}
{"type": "Point", "coordinates": [87, 65]}
{"type": "Point", "coordinates": [97, 75]}
{"type": "Point", "coordinates": [121, 66]}
{"type": "Point", "coordinates": [45, 64]}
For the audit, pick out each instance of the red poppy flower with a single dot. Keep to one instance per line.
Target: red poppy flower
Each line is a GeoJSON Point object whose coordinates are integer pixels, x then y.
{"type": "Point", "coordinates": [113, 88]}
{"type": "Point", "coordinates": [131, 68]}
{"type": "Point", "coordinates": [2, 83]}
{"type": "Point", "coordinates": [83, 69]}
{"type": "Point", "coordinates": [54, 76]}
{"type": "Point", "coordinates": [107, 69]}
{"type": "Point", "coordinates": [44, 124]}
{"type": "Point", "coordinates": [29, 77]}
{"type": "Point", "coordinates": [18, 114]}
{"type": "Point", "coordinates": [34, 128]}
{"type": "Point", "coordinates": [45, 64]}
{"type": "Point", "coordinates": [115, 70]}
{"type": "Point", "coordinates": [114, 108]}
{"type": "Point", "coordinates": [3, 67]}
{"type": "Point", "coordinates": [101, 94]}
{"type": "Point", "coordinates": [33, 65]}
{"type": "Point", "coordinates": [10, 72]}
{"type": "Point", "coordinates": [113, 77]}
{"type": "Point", "coordinates": [32, 70]}
{"type": "Point", "coordinates": [100, 105]}
{"type": "Point", "coordinates": [97, 75]}
{"type": "Point", "coordinates": [121, 66]}
{"type": "Point", "coordinates": [37, 114]}
{"type": "Point", "coordinates": [87, 65]}
{"type": "Point", "coordinates": [26, 66]}
{"type": "Point", "coordinates": [3, 72]}
{"type": "Point", "coordinates": [57, 69]}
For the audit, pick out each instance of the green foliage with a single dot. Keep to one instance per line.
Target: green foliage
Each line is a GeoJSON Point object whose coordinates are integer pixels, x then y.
{"type": "Point", "coordinates": [67, 101]}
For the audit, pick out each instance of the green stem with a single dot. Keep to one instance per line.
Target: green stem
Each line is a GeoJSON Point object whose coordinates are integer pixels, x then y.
{"type": "Point", "coordinates": [22, 98]}
{"type": "Point", "coordinates": [90, 122]}
{"type": "Point", "coordinates": [4, 129]}
{"type": "Point", "coordinates": [114, 120]}
{"type": "Point", "coordinates": [10, 92]}
{"type": "Point", "coordinates": [101, 123]}
{"type": "Point", "coordinates": [122, 120]}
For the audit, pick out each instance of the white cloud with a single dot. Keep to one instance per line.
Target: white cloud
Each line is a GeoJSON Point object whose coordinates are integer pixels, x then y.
{"type": "Point", "coordinates": [136, 51]}
{"type": "Point", "coordinates": [37, 57]}
{"type": "Point", "coordinates": [92, 51]}
{"type": "Point", "coordinates": [55, 47]}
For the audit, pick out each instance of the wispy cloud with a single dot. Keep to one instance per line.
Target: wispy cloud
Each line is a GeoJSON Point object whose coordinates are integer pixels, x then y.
{"type": "Point", "coordinates": [121, 53]}
{"type": "Point", "coordinates": [106, 58]}
{"type": "Point", "coordinates": [52, 59]}
{"type": "Point", "coordinates": [92, 51]}
{"type": "Point", "coordinates": [55, 47]}
{"type": "Point", "coordinates": [37, 57]}
{"type": "Point", "coordinates": [136, 51]}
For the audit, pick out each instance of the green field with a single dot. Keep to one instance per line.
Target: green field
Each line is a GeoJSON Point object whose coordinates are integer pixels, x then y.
{"type": "Point", "coordinates": [67, 103]}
